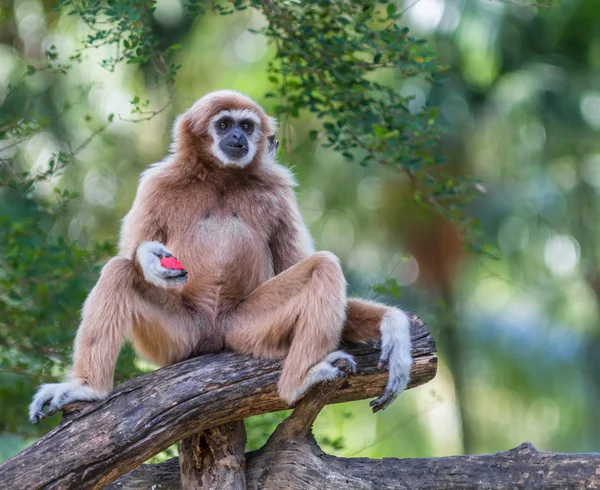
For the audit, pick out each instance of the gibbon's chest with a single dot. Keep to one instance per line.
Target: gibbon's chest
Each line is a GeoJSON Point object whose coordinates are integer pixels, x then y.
{"type": "Point", "coordinates": [227, 216]}
{"type": "Point", "coordinates": [226, 234]}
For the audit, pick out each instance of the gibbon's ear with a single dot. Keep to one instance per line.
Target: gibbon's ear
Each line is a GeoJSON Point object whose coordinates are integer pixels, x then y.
{"type": "Point", "coordinates": [273, 145]}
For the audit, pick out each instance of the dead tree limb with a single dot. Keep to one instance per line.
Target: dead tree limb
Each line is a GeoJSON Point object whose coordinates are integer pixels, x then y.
{"type": "Point", "coordinates": [147, 414]}
{"type": "Point", "coordinates": [291, 459]}
{"type": "Point", "coordinates": [299, 464]}
{"type": "Point", "coordinates": [214, 459]}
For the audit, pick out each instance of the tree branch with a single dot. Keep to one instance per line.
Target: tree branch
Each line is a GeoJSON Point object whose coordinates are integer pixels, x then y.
{"type": "Point", "coordinates": [299, 464]}
{"type": "Point", "coordinates": [101, 441]}
{"type": "Point", "coordinates": [214, 458]}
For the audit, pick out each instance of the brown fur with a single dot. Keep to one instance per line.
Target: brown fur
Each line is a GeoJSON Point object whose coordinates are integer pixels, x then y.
{"type": "Point", "coordinates": [255, 284]}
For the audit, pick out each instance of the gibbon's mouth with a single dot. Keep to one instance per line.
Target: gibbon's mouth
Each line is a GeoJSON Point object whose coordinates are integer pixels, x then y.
{"type": "Point", "coordinates": [235, 151]}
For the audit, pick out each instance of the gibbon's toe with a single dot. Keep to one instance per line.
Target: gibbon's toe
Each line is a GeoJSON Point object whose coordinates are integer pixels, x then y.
{"type": "Point", "coordinates": [36, 416]}
{"type": "Point", "coordinates": [336, 365]}
{"type": "Point", "coordinates": [57, 395]}
{"type": "Point", "coordinates": [384, 401]}
{"type": "Point", "coordinates": [343, 361]}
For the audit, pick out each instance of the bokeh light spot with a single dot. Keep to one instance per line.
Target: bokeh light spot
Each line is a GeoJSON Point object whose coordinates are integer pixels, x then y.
{"type": "Point", "coordinates": [561, 254]}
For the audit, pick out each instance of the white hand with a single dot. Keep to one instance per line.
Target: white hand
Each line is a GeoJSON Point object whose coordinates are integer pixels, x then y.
{"type": "Point", "coordinates": [149, 255]}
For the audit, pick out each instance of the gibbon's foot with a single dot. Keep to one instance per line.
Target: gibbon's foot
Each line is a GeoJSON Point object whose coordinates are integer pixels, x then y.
{"type": "Point", "coordinates": [396, 354]}
{"type": "Point", "coordinates": [159, 266]}
{"type": "Point", "coordinates": [325, 371]}
{"type": "Point", "coordinates": [57, 395]}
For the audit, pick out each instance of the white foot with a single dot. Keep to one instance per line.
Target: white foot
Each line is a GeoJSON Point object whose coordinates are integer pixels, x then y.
{"type": "Point", "coordinates": [396, 352]}
{"type": "Point", "coordinates": [324, 371]}
{"type": "Point", "coordinates": [57, 395]}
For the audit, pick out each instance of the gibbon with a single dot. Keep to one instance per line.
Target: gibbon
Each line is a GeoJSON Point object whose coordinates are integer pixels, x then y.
{"type": "Point", "coordinates": [253, 282]}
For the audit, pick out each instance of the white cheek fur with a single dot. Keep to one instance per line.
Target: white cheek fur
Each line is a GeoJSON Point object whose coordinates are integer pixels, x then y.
{"type": "Point", "coordinates": [253, 139]}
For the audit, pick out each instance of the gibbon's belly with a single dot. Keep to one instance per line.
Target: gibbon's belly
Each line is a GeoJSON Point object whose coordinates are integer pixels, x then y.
{"type": "Point", "coordinates": [228, 260]}
{"type": "Point", "coordinates": [224, 241]}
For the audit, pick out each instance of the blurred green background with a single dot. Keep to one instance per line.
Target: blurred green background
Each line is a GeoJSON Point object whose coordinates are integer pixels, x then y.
{"type": "Point", "coordinates": [518, 335]}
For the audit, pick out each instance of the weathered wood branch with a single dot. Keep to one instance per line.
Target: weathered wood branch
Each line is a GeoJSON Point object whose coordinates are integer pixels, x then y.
{"type": "Point", "coordinates": [222, 477]}
{"type": "Point", "coordinates": [214, 458]}
{"type": "Point", "coordinates": [304, 415]}
{"type": "Point", "coordinates": [299, 464]}
{"type": "Point", "coordinates": [149, 413]}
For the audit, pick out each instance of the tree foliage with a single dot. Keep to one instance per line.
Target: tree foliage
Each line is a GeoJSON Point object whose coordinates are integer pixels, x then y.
{"type": "Point", "coordinates": [341, 61]}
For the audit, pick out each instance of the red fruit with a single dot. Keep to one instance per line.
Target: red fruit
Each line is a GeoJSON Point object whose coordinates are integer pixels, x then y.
{"type": "Point", "coordinates": [171, 263]}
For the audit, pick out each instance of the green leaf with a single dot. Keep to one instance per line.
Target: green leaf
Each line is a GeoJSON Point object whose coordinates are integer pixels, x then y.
{"type": "Point", "coordinates": [379, 130]}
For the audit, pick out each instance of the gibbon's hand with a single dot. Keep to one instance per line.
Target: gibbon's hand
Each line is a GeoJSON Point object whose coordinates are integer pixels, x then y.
{"type": "Point", "coordinates": [159, 266]}
{"type": "Point", "coordinates": [57, 395]}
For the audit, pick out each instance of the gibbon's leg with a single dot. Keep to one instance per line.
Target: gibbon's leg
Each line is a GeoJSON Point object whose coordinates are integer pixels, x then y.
{"type": "Point", "coordinates": [366, 320]}
{"type": "Point", "coordinates": [107, 319]}
{"type": "Point", "coordinates": [299, 312]}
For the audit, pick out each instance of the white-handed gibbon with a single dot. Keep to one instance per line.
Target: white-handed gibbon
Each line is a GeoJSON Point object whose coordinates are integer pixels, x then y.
{"type": "Point", "coordinates": [253, 282]}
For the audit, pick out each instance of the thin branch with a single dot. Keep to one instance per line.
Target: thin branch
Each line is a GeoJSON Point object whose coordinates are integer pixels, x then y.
{"type": "Point", "coordinates": [522, 4]}
{"type": "Point", "coordinates": [304, 415]}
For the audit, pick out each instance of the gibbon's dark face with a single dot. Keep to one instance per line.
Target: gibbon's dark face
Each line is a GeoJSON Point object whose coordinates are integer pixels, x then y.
{"type": "Point", "coordinates": [233, 136]}
{"type": "Point", "coordinates": [236, 135]}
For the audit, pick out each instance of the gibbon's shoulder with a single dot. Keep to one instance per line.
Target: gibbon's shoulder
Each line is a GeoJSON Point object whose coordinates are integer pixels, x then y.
{"type": "Point", "coordinates": [166, 175]}
{"type": "Point", "coordinates": [155, 171]}
{"type": "Point", "coordinates": [280, 175]}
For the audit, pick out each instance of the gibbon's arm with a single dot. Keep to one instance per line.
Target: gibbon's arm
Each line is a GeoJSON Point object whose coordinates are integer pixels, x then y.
{"type": "Point", "coordinates": [291, 241]}
{"type": "Point", "coordinates": [142, 223]}
{"type": "Point", "coordinates": [109, 310]}
{"type": "Point", "coordinates": [144, 237]}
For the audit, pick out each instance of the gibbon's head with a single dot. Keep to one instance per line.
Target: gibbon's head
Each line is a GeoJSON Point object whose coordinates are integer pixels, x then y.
{"type": "Point", "coordinates": [225, 126]}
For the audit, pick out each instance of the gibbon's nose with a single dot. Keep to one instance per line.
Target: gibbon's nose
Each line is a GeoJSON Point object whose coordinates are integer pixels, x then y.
{"type": "Point", "coordinates": [238, 139]}
{"type": "Point", "coordinates": [235, 145]}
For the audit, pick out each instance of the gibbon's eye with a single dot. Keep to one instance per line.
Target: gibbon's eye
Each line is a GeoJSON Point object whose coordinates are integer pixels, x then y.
{"type": "Point", "coordinates": [223, 124]}
{"type": "Point", "coordinates": [247, 126]}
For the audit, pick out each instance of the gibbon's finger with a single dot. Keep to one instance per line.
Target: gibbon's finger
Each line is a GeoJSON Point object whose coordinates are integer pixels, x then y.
{"type": "Point", "coordinates": [168, 273]}
{"type": "Point", "coordinates": [176, 281]}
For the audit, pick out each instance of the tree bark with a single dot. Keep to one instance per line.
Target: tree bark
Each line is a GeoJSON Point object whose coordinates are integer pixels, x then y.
{"type": "Point", "coordinates": [214, 459]}
{"type": "Point", "coordinates": [100, 441]}
{"type": "Point", "coordinates": [299, 464]}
